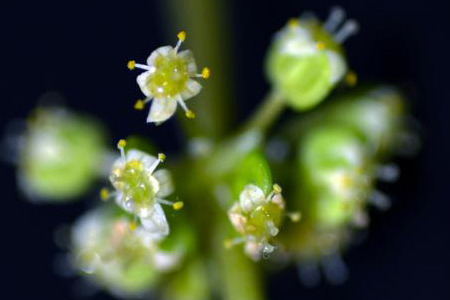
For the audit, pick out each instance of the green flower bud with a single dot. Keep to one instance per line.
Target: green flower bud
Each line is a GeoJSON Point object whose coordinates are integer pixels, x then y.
{"type": "Point", "coordinates": [306, 59]}
{"type": "Point", "coordinates": [61, 154]}
{"type": "Point", "coordinates": [337, 171]}
{"type": "Point", "coordinates": [377, 114]}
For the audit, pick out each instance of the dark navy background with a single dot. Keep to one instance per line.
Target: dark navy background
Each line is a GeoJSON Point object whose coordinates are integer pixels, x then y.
{"type": "Point", "coordinates": [81, 48]}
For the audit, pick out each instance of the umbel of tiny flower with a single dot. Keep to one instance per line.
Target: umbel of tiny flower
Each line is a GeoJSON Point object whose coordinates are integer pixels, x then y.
{"type": "Point", "coordinates": [168, 81]}
{"type": "Point", "coordinates": [140, 190]}
{"type": "Point", "coordinates": [256, 217]}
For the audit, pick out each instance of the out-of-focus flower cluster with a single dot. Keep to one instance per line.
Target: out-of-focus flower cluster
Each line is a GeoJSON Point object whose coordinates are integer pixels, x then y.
{"type": "Point", "coordinates": [327, 160]}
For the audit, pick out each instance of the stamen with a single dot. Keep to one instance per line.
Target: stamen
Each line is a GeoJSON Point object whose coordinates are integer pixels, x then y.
{"type": "Point", "coordinates": [379, 200]}
{"type": "Point", "coordinates": [139, 105]}
{"type": "Point", "coordinates": [133, 224]}
{"type": "Point", "coordinates": [351, 79]}
{"type": "Point", "coordinates": [144, 67]}
{"type": "Point", "coordinates": [205, 73]}
{"type": "Point", "coordinates": [388, 173]}
{"type": "Point", "coordinates": [272, 228]}
{"type": "Point", "coordinates": [178, 205]}
{"type": "Point", "coordinates": [350, 27]}
{"type": "Point", "coordinates": [121, 145]}
{"type": "Point", "coordinates": [294, 216]}
{"type": "Point", "coordinates": [189, 113]}
{"type": "Point", "coordinates": [104, 194]}
{"type": "Point", "coordinates": [336, 16]}
{"type": "Point", "coordinates": [321, 46]}
{"type": "Point", "coordinates": [181, 38]}
{"type": "Point", "coordinates": [293, 22]}
{"type": "Point", "coordinates": [161, 158]}
{"type": "Point", "coordinates": [131, 64]}
{"type": "Point", "coordinates": [277, 189]}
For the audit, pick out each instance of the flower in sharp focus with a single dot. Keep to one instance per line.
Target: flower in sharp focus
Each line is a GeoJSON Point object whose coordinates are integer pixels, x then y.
{"type": "Point", "coordinates": [168, 81]}
{"type": "Point", "coordinates": [257, 217]}
{"type": "Point", "coordinates": [140, 189]}
{"type": "Point", "coordinates": [306, 59]}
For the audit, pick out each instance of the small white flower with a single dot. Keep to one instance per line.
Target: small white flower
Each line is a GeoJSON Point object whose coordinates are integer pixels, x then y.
{"type": "Point", "coordinates": [256, 217]}
{"type": "Point", "coordinates": [140, 189]}
{"type": "Point", "coordinates": [167, 81]}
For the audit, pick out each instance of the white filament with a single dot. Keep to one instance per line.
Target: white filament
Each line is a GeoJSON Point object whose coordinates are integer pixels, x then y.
{"type": "Point", "coordinates": [349, 28]}
{"type": "Point", "coordinates": [337, 15]}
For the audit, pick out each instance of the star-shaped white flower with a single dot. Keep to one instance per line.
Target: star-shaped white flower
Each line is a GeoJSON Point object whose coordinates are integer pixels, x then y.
{"type": "Point", "coordinates": [168, 81]}
{"type": "Point", "coordinates": [140, 190]}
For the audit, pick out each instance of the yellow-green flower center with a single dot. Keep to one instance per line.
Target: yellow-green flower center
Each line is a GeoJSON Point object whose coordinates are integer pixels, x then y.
{"type": "Point", "coordinates": [170, 75]}
{"type": "Point", "coordinates": [136, 184]}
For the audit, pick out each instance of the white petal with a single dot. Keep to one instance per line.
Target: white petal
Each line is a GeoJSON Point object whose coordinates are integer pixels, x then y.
{"type": "Point", "coordinates": [165, 183]}
{"type": "Point", "coordinates": [162, 109]}
{"type": "Point", "coordinates": [164, 51]}
{"type": "Point", "coordinates": [189, 57]}
{"type": "Point", "coordinates": [192, 89]}
{"type": "Point", "coordinates": [338, 66]}
{"type": "Point", "coordinates": [156, 224]}
{"type": "Point", "coordinates": [251, 197]}
{"type": "Point", "coordinates": [142, 82]}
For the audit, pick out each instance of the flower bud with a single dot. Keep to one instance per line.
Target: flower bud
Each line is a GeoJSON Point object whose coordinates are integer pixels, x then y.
{"type": "Point", "coordinates": [306, 60]}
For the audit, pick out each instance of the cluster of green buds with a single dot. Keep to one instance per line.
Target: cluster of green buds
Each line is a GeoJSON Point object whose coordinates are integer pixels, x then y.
{"type": "Point", "coordinates": [340, 156]}
{"type": "Point", "coordinates": [59, 154]}
{"type": "Point", "coordinates": [140, 190]}
{"type": "Point", "coordinates": [168, 81]}
{"type": "Point", "coordinates": [306, 59]}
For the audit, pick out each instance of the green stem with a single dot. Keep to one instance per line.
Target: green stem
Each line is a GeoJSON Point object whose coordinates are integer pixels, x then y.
{"type": "Point", "coordinates": [272, 106]}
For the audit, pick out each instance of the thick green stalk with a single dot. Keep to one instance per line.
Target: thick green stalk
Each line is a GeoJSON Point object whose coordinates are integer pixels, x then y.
{"type": "Point", "coordinates": [205, 22]}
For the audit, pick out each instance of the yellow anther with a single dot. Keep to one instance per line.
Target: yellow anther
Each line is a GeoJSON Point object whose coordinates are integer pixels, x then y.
{"type": "Point", "coordinates": [320, 46]}
{"type": "Point", "coordinates": [178, 205]}
{"type": "Point", "coordinates": [162, 157]}
{"type": "Point", "coordinates": [182, 35]}
{"type": "Point", "coordinates": [131, 64]}
{"type": "Point", "coordinates": [104, 194]}
{"type": "Point", "coordinates": [206, 73]}
{"type": "Point", "coordinates": [190, 114]}
{"type": "Point", "coordinates": [228, 244]}
{"type": "Point", "coordinates": [277, 189]}
{"type": "Point", "coordinates": [139, 105]}
{"type": "Point", "coordinates": [293, 22]}
{"type": "Point", "coordinates": [351, 79]}
{"type": "Point", "coordinates": [295, 216]}
{"type": "Point", "coordinates": [133, 226]}
{"type": "Point", "coordinates": [122, 143]}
